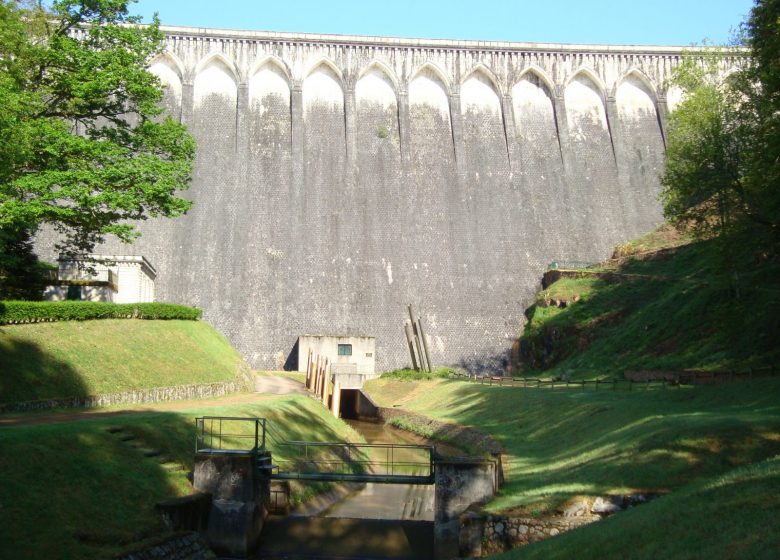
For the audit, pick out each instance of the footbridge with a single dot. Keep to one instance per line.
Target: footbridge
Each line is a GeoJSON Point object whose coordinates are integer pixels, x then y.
{"type": "Point", "coordinates": [276, 457]}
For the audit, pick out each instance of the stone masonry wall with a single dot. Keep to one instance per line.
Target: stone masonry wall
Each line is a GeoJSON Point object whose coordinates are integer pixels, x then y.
{"type": "Point", "coordinates": [140, 396]}
{"type": "Point", "coordinates": [340, 178]}
{"type": "Point", "coordinates": [187, 546]}
{"type": "Point", "coordinates": [488, 535]}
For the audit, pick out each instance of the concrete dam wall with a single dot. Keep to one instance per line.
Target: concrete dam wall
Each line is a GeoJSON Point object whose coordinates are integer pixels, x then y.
{"type": "Point", "coordinates": [340, 178]}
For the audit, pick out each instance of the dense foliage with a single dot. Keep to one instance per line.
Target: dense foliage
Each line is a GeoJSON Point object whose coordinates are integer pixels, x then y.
{"type": "Point", "coordinates": [83, 145]}
{"type": "Point", "coordinates": [41, 311]}
{"type": "Point", "coordinates": [723, 161]}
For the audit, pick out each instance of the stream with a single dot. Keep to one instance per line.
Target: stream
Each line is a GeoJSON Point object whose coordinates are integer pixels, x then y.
{"type": "Point", "coordinates": [376, 521]}
{"type": "Point", "coordinates": [385, 501]}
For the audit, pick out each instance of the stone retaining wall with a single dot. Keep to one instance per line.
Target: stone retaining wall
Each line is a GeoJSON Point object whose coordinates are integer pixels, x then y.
{"type": "Point", "coordinates": [483, 536]}
{"type": "Point", "coordinates": [140, 396]}
{"type": "Point", "coordinates": [187, 546]}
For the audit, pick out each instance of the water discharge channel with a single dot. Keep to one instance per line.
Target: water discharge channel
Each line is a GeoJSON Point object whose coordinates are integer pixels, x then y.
{"type": "Point", "coordinates": [373, 521]}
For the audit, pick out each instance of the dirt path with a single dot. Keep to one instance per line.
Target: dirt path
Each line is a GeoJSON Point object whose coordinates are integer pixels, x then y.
{"type": "Point", "coordinates": [266, 387]}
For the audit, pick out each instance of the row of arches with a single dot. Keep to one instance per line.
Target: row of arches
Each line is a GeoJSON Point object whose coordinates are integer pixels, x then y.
{"type": "Point", "coordinates": [531, 95]}
{"type": "Point", "coordinates": [172, 68]}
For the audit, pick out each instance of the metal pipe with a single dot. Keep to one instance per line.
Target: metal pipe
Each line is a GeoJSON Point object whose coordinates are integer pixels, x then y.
{"type": "Point", "coordinates": [424, 344]}
{"type": "Point", "coordinates": [410, 343]}
{"type": "Point", "coordinates": [418, 345]}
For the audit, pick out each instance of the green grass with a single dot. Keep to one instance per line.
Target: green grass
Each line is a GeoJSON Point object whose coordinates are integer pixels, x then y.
{"type": "Point", "coordinates": [568, 288]}
{"type": "Point", "coordinates": [74, 490]}
{"type": "Point", "coordinates": [664, 237]}
{"type": "Point", "coordinates": [729, 516]}
{"type": "Point", "coordinates": [688, 317]}
{"type": "Point", "coordinates": [63, 359]}
{"type": "Point", "coordinates": [565, 443]}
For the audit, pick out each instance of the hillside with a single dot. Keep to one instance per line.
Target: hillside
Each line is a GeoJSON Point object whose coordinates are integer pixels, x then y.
{"type": "Point", "coordinates": [87, 489]}
{"type": "Point", "coordinates": [663, 303]}
{"type": "Point", "coordinates": [74, 358]}
{"type": "Point", "coordinates": [687, 444]}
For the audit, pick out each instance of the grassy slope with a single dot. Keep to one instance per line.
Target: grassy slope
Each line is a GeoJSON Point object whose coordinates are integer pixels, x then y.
{"type": "Point", "coordinates": [62, 359]}
{"type": "Point", "coordinates": [685, 318]}
{"type": "Point", "coordinates": [73, 490]}
{"type": "Point", "coordinates": [566, 443]}
{"type": "Point", "coordinates": [736, 515]}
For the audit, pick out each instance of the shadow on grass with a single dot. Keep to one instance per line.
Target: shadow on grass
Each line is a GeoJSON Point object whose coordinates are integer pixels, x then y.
{"type": "Point", "coordinates": [562, 444]}
{"type": "Point", "coordinates": [27, 372]}
{"type": "Point", "coordinates": [87, 489]}
{"type": "Point", "coordinates": [733, 516]}
{"type": "Point", "coordinates": [687, 317]}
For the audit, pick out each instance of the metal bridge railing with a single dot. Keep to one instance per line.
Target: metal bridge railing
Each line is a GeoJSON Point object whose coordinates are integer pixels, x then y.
{"type": "Point", "coordinates": [315, 460]}
{"type": "Point", "coordinates": [306, 460]}
{"type": "Point", "coordinates": [229, 434]}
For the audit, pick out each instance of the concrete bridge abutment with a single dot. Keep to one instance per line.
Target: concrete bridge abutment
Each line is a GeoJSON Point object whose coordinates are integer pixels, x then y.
{"type": "Point", "coordinates": [239, 496]}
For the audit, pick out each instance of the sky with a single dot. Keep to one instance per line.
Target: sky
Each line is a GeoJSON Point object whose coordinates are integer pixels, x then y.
{"type": "Point", "coordinates": [616, 22]}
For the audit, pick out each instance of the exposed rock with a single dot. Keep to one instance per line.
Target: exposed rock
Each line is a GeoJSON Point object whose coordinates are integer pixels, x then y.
{"type": "Point", "coordinates": [606, 506]}
{"type": "Point", "coordinates": [577, 509]}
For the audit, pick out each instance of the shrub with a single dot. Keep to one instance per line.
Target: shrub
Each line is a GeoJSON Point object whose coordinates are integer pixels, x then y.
{"type": "Point", "coordinates": [12, 312]}
{"type": "Point", "coordinates": [412, 375]}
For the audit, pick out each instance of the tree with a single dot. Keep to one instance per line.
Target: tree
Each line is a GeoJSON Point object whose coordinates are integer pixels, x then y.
{"type": "Point", "coordinates": [83, 144]}
{"type": "Point", "coordinates": [723, 158]}
{"type": "Point", "coordinates": [702, 160]}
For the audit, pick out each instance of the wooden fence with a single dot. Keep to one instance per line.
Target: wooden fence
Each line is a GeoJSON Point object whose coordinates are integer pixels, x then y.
{"type": "Point", "coordinates": [641, 380]}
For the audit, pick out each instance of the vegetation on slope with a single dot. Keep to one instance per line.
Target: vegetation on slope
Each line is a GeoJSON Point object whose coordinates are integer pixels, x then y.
{"type": "Point", "coordinates": [562, 444]}
{"type": "Point", "coordinates": [406, 374]}
{"type": "Point", "coordinates": [727, 516]}
{"type": "Point", "coordinates": [76, 490]}
{"type": "Point", "coordinates": [63, 359]}
{"type": "Point", "coordinates": [671, 308]}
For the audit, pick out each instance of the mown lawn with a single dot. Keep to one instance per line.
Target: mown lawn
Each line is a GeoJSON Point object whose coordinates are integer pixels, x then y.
{"type": "Point", "coordinates": [74, 358]}
{"type": "Point", "coordinates": [681, 309]}
{"type": "Point", "coordinates": [712, 452]}
{"type": "Point", "coordinates": [75, 490]}
{"type": "Point", "coordinates": [735, 516]}
{"type": "Point", "coordinates": [565, 443]}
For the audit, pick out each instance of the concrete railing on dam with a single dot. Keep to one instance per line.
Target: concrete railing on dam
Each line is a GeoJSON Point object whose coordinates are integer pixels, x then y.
{"type": "Point", "coordinates": [339, 178]}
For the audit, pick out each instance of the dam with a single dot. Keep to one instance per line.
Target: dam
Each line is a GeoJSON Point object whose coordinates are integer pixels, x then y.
{"type": "Point", "coordinates": [340, 178]}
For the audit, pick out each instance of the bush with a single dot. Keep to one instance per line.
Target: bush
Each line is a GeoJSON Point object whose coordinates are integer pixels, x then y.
{"type": "Point", "coordinates": [12, 312]}
{"type": "Point", "coordinates": [412, 375]}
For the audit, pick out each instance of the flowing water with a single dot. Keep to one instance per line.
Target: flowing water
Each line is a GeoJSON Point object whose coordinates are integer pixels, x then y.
{"type": "Point", "coordinates": [376, 521]}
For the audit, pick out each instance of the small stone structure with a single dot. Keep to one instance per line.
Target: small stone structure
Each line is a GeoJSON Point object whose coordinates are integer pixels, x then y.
{"type": "Point", "coordinates": [239, 496]}
{"type": "Point", "coordinates": [114, 278]}
{"type": "Point", "coordinates": [346, 354]}
{"type": "Point", "coordinates": [460, 484]}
